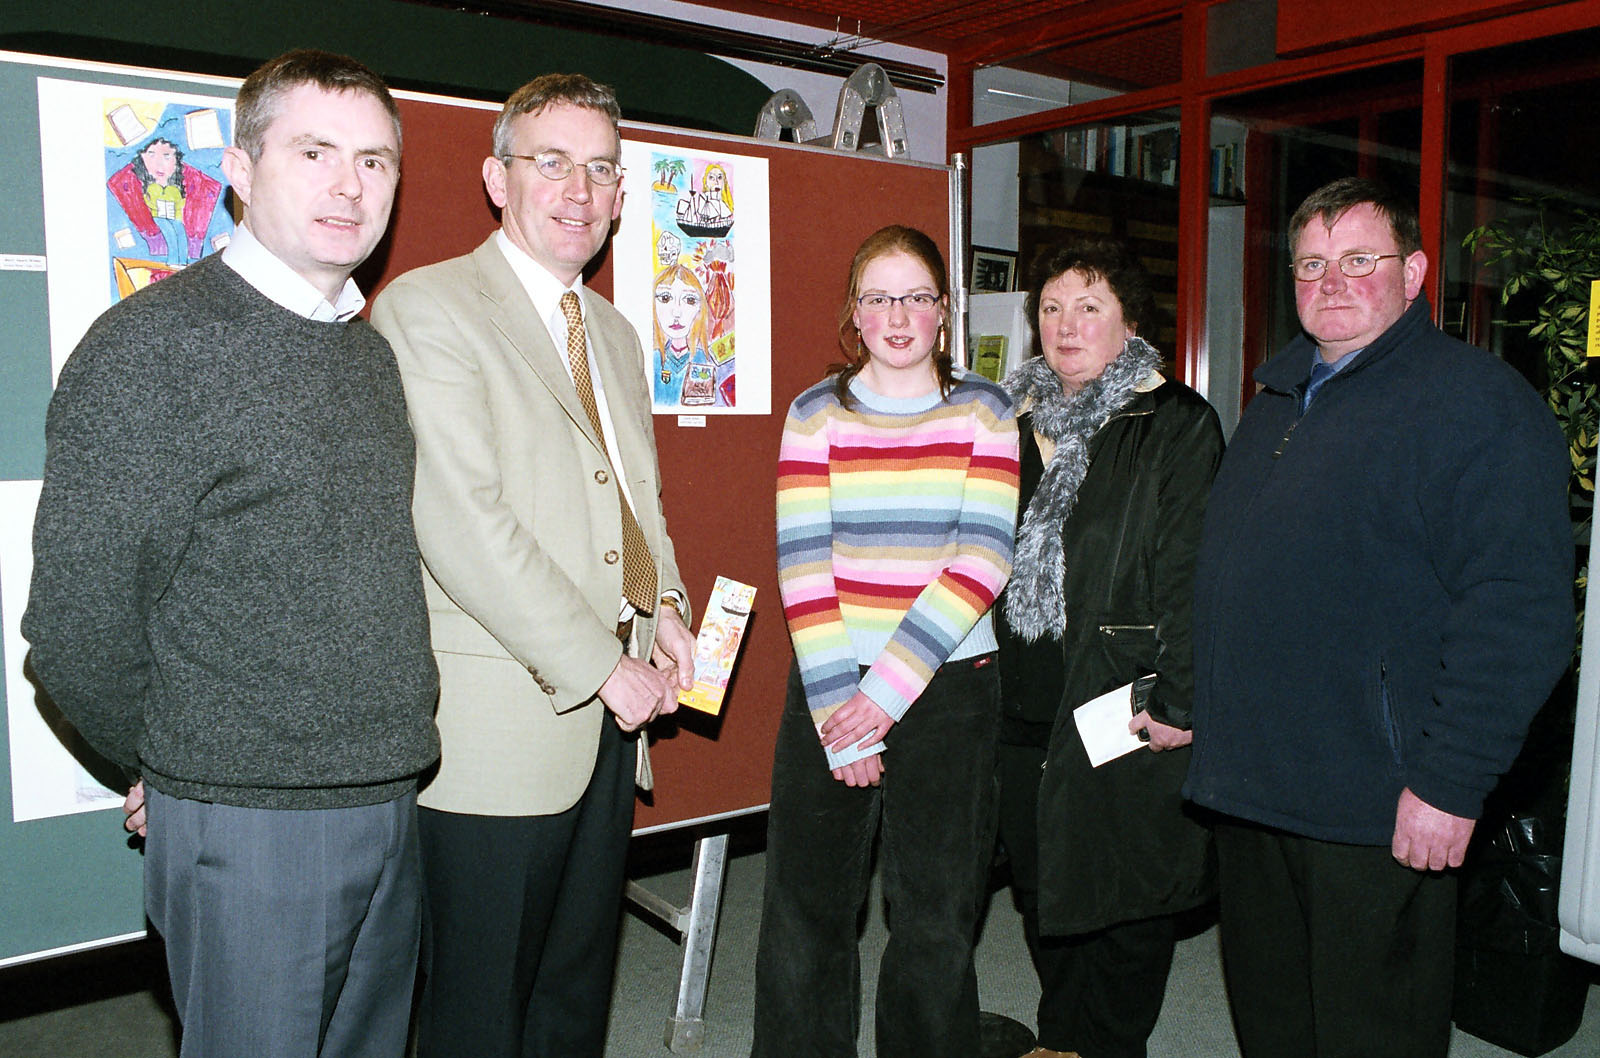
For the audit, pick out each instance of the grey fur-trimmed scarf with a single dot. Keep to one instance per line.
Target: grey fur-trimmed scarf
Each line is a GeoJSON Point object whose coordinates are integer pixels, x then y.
{"type": "Point", "coordinates": [1035, 598]}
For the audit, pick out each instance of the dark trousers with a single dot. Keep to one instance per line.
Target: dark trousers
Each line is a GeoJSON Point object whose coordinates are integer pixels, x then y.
{"type": "Point", "coordinates": [934, 817]}
{"type": "Point", "coordinates": [289, 933]}
{"type": "Point", "coordinates": [520, 936]}
{"type": "Point", "coordinates": [1333, 951]}
{"type": "Point", "coordinates": [1101, 992]}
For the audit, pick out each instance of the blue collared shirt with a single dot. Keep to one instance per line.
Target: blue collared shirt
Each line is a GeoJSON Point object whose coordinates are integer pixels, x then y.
{"type": "Point", "coordinates": [1314, 382]}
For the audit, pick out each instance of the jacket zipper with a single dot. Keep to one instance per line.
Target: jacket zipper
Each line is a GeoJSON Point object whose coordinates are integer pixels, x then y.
{"type": "Point", "coordinates": [1391, 723]}
{"type": "Point", "coordinates": [1284, 443]}
{"type": "Point", "coordinates": [1126, 415]}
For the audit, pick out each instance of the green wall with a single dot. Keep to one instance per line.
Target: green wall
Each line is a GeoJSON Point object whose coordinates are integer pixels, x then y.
{"type": "Point", "coordinates": [413, 45]}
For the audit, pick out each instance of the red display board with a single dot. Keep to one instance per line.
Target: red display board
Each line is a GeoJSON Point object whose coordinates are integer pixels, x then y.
{"type": "Point", "coordinates": [719, 479]}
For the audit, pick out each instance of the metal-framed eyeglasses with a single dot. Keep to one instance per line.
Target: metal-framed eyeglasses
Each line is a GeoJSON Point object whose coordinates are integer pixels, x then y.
{"type": "Point", "coordinates": [556, 165]}
{"type": "Point", "coordinates": [921, 301]}
{"type": "Point", "coordinates": [1353, 265]}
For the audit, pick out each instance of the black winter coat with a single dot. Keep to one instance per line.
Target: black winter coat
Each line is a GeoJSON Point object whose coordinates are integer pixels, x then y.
{"type": "Point", "coordinates": [1117, 843]}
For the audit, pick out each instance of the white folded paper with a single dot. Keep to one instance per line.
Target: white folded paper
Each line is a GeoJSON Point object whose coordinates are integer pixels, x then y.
{"type": "Point", "coordinates": [1103, 725]}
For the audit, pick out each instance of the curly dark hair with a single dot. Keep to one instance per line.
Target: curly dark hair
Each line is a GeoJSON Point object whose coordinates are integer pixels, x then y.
{"type": "Point", "coordinates": [1097, 257]}
{"type": "Point", "coordinates": [142, 171]}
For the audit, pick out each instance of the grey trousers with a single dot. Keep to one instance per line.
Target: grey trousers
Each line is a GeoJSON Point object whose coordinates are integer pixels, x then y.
{"type": "Point", "coordinates": [289, 934]}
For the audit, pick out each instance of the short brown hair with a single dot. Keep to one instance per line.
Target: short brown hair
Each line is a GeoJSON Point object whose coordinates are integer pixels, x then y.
{"type": "Point", "coordinates": [257, 104]}
{"type": "Point", "coordinates": [553, 89]}
{"type": "Point", "coordinates": [1331, 201]}
{"type": "Point", "coordinates": [896, 238]}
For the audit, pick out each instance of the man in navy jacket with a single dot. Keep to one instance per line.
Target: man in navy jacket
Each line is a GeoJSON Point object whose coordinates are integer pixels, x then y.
{"type": "Point", "coordinates": [1383, 601]}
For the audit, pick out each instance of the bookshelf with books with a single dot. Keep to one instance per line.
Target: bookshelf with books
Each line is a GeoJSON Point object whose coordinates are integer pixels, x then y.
{"type": "Point", "coordinates": [1119, 181]}
{"type": "Point", "coordinates": [1138, 152]}
{"type": "Point", "coordinates": [1228, 142]}
{"type": "Point", "coordinates": [1227, 170]}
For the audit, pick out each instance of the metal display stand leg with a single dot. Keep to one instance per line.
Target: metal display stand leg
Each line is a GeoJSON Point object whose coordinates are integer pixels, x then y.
{"type": "Point", "coordinates": [696, 926]}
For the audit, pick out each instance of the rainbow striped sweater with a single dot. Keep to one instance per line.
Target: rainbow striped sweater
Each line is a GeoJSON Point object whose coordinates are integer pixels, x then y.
{"type": "Point", "coordinates": [896, 520]}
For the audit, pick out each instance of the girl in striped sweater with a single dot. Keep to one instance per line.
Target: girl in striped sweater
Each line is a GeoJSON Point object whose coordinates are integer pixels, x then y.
{"type": "Point", "coordinates": [897, 495]}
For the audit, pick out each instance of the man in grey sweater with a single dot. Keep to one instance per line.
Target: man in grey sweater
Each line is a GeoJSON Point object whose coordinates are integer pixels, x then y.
{"type": "Point", "coordinates": [227, 598]}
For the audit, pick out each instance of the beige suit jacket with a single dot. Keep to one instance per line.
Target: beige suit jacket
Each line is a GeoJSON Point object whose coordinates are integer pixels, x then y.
{"type": "Point", "coordinates": [519, 526]}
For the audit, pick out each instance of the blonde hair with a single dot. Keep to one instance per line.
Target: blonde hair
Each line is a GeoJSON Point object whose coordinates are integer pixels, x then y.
{"type": "Point", "coordinates": [727, 185]}
{"type": "Point", "coordinates": [697, 327]}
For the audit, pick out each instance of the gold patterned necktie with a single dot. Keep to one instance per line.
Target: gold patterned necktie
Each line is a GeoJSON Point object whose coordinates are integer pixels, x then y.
{"type": "Point", "coordinates": [638, 568]}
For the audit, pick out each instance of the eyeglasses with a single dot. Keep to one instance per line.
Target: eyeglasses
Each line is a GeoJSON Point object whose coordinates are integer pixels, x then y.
{"type": "Point", "coordinates": [555, 165]}
{"type": "Point", "coordinates": [1353, 265]}
{"type": "Point", "coordinates": [918, 302]}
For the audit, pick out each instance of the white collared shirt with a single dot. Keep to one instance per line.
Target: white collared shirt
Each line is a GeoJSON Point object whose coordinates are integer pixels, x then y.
{"type": "Point", "coordinates": [265, 271]}
{"type": "Point", "coordinates": [545, 291]}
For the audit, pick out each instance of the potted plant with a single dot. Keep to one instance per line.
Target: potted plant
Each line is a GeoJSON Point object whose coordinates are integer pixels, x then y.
{"type": "Point", "coordinates": [1548, 260]}
{"type": "Point", "coordinates": [1514, 987]}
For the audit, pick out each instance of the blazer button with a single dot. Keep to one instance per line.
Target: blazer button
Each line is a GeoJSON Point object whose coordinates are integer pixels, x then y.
{"type": "Point", "coordinates": [602, 477]}
{"type": "Point", "coordinates": [612, 558]}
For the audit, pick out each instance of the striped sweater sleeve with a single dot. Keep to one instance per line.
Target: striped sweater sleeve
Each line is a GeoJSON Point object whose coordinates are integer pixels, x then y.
{"type": "Point", "coordinates": [947, 608]}
{"type": "Point", "coordinates": [806, 586]}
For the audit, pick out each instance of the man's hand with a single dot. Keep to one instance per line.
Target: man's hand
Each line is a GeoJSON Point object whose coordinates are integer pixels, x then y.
{"type": "Point", "coordinates": [868, 771]}
{"type": "Point", "coordinates": [1427, 839]}
{"type": "Point", "coordinates": [637, 693]}
{"type": "Point", "coordinates": [673, 653]}
{"type": "Point", "coordinates": [858, 722]}
{"type": "Point", "coordinates": [133, 807]}
{"type": "Point", "coordinates": [1161, 736]}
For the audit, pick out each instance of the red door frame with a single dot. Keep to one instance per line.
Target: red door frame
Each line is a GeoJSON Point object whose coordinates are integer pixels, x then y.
{"type": "Point", "coordinates": [1195, 92]}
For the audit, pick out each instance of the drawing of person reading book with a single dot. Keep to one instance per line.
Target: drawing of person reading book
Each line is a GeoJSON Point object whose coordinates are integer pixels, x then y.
{"type": "Point", "coordinates": [169, 203]}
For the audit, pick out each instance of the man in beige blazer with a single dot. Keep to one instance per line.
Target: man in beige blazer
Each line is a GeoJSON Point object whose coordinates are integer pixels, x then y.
{"type": "Point", "coordinates": [550, 660]}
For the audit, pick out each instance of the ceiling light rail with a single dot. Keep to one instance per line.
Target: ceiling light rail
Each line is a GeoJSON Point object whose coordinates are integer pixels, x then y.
{"type": "Point", "coordinates": [698, 36]}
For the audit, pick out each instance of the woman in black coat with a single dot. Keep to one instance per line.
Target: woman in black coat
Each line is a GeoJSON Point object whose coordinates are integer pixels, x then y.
{"type": "Point", "coordinates": [1116, 465]}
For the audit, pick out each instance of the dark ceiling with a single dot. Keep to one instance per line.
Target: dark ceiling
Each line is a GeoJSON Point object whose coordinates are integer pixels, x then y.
{"type": "Point", "coordinates": [1125, 44]}
{"type": "Point", "coordinates": [938, 25]}
{"type": "Point", "coordinates": [1027, 34]}
{"type": "Point", "coordinates": [941, 25]}
{"type": "Point", "coordinates": [1031, 33]}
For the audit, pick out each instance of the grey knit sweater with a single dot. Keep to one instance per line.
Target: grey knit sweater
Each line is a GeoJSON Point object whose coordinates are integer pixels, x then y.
{"type": "Point", "coordinates": [226, 590]}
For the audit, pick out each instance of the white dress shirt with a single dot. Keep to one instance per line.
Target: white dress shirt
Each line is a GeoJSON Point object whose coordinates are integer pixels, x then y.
{"type": "Point", "coordinates": [545, 291]}
{"type": "Point", "coordinates": [263, 270]}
